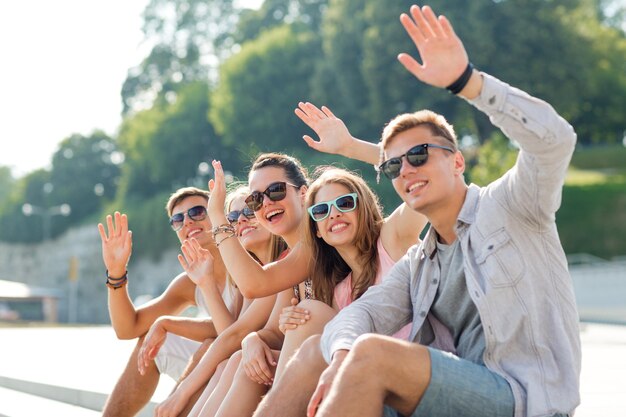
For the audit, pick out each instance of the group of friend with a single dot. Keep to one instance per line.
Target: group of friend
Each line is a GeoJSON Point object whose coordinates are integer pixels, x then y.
{"type": "Point", "coordinates": [314, 303]}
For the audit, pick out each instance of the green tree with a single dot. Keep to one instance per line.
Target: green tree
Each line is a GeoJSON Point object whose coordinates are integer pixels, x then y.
{"type": "Point", "coordinates": [259, 88]}
{"type": "Point", "coordinates": [189, 37]}
{"type": "Point", "coordinates": [6, 183]}
{"type": "Point", "coordinates": [165, 145]}
{"type": "Point", "coordinates": [496, 156]}
{"type": "Point", "coordinates": [91, 165]}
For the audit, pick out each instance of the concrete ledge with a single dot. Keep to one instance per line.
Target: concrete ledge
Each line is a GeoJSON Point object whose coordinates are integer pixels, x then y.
{"type": "Point", "coordinates": [81, 398]}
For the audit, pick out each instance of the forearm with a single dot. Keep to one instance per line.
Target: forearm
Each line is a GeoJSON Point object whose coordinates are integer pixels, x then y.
{"type": "Point", "coordinates": [364, 151]}
{"type": "Point", "coordinates": [191, 328]}
{"type": "Point", "coordinates": [123, 314]}
{"type": "Point", "coordinates": [546, 140]}
{"type": "Point", "coordinates": [221, 317]}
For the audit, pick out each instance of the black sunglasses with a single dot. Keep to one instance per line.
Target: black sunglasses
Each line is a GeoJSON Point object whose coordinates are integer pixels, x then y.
{"type": "Point", "coordinates": [416, 156]}
{"type": "Point", "coordinates": [276, 191]}
{"type": "Point", "coordinates": [233, 216]}
{"type": "Point", "coordinates": [195, 213]}
{"type": "Point", "coordinates": [344, 203]}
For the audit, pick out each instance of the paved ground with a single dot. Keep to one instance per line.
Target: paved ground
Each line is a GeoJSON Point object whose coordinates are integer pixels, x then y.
{"type": "Point", "coordinates": [79, 365]}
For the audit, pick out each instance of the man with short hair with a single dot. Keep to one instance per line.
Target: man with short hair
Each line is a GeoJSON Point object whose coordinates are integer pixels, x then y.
{"type": "Point", "coordinates": [495, 324]}
{"type": "Point", "coordinates": [182, 341]}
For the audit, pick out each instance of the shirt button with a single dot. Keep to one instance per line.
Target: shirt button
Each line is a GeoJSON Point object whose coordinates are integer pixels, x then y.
{"type": "Point", "coordinates": [434, 281]}
{"type": "Point", "coordinates": [422, 314]}
{"type": "Point", "coordinates": [477, 294]}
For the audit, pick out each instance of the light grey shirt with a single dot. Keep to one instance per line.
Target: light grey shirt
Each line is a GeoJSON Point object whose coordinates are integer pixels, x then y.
{"type": "Point", "coordinates": [514, 264]}
{"type": "Point", "coordinates": [454, 307]}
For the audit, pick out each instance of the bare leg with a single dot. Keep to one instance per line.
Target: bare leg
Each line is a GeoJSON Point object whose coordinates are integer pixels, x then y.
{"type": "Point", "coordinates": [303, 372]}
{"type": "Point", "coordinates": [209, 406]}
{"type": "Point", "coordinates": [244, 395]}
{"type": "Point", "coordinates": [193, 362]}
{"type": "Point", "coordinates": [402, 372]}
{"type": "Point", "coordinates": [320, 315]}
{"type": "Point", "coordinates": [133, 390]}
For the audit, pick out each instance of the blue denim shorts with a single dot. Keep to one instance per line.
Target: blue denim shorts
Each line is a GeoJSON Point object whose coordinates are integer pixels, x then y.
{"type": "Point", "coordinates": [459, 387]}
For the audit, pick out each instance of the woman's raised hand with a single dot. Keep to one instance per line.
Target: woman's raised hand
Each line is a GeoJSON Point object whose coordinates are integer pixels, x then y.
{"type": "Point", "coordinates": [197, 262]}
{"type": "Point", "coordinates": [333, 134]}
{"type": "Point", "coordinates": [217, 187]}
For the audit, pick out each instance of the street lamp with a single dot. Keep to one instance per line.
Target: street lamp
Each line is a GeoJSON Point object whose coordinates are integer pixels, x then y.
{"type": "Point", "coordinates": [46, 215]}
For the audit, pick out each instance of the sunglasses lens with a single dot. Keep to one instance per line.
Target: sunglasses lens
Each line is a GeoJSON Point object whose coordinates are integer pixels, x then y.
{"type": "Point", "coordinates": [346, 203]}
{"type": "Point", "coordinates": [391, 168]}
{"type": "Point", "coordinates": [255, 200]}
{"type": "Point", "coordinates": [197, 213]}
{"type": "Point", "coordinates": [417, 155]}
{"type": "Point", "coordinates": [176, 221]}
{"type": "Point", "coordinates": [233, 216]}
{"type": "Point", "coordinates": [319, 211]}
{"type": "Point", "coordinates": [276, 191]}
{"type": "Point", "coordinates": [246, 211]}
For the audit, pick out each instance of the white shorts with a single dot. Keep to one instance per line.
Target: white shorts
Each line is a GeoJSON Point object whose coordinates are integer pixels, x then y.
{"type": "Point", "coordinates": [174, 355]}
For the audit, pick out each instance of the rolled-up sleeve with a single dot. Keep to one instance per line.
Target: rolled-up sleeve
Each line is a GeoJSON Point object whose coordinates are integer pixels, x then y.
{"type": "Point", "coordinates": [532, 188]}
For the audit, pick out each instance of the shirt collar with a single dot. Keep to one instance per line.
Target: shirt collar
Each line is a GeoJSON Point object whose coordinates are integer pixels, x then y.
{"type": "Point", "coordinates": [467, 216]}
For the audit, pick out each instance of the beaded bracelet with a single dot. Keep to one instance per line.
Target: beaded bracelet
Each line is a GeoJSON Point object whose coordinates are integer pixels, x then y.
{"type": "Point", "coordinates": [115, 283]}
{"type": "Point", "coordinates": [223, 228]}
{"type": "Point", "coordinates": [227, 237]}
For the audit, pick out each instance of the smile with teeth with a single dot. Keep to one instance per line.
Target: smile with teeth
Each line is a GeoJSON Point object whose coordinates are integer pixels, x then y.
{"type": "Point", "coordinates": [416, 185]}
{"type": "Point", "coordinates": [273, 213]}
{"type": "Point", "coordinates": [338, 226]}
{"type": "Point", "coordinates": [246, 230]}
{"type": "Point", "coordinates": [194, 232]}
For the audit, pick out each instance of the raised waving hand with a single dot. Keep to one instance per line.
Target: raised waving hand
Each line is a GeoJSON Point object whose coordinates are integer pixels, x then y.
{"type": "Point", "coordinates": [117, 244]}
{"type": "Point", "coordinates": [196, 261]}
{"type": "Point", "coordinates": [333, 134]}
{"type": "Point", "coordinates": [441, 51]}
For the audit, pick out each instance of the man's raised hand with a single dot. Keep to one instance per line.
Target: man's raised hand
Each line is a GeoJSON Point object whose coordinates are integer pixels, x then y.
{"type": "Point", "coordinates": [441, 51]}
{"type": "Point", "coordinates": [117, 244]}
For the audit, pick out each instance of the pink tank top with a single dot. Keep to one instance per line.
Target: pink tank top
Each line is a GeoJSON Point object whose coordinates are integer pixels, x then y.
{"type": "Point", "coordinates": [343, 290]}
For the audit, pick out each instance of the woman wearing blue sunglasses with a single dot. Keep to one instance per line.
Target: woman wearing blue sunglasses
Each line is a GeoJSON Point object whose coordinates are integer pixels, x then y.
{"type": "Point", "coordinates": [353, 247]}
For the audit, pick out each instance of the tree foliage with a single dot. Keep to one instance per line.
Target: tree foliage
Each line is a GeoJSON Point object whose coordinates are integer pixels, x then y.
{"type": "Point", "coordinates": [222, 82]}
{"type": "Point", "coordinates": [259, 88]}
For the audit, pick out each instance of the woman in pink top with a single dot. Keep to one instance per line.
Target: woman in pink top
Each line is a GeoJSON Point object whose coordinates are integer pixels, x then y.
{"type": "Point", "coordinates": [353, 248]}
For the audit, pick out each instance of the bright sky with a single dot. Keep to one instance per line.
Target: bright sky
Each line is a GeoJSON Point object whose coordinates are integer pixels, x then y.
{"type": "Point", "coordinates": [63, 65]}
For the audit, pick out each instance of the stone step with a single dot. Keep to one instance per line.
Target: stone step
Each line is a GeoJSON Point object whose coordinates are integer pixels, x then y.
{"type": "Point", "coordinates": [19, 404]}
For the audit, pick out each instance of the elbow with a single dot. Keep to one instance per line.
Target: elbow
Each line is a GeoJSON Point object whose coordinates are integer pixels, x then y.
{"type": "Point", "coordinates": [252, 293]}
{"type": "Point", "coordinates": [124, 335]}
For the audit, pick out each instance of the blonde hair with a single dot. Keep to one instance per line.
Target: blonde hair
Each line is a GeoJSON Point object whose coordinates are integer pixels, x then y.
{"type": "Point", "coordinates": [436, 123]}
{"type": "Point", "coordinates": [328, 268]}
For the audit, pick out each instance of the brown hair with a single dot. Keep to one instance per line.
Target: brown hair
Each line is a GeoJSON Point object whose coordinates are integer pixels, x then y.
{"type": "Point", "coordinates": [181, 194]}
{"type": "Point", "coordinates": [436, 123]}
{"type": "Point", "coordinates": [294, 170]}
{"type": "Point", "coordinates": [328, 267]}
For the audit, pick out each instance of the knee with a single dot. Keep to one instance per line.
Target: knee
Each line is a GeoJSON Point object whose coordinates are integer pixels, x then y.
{"type": "Point", "coordinates": [310, 349]}
{"type": "Point", "coordinates": [370, 350]}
